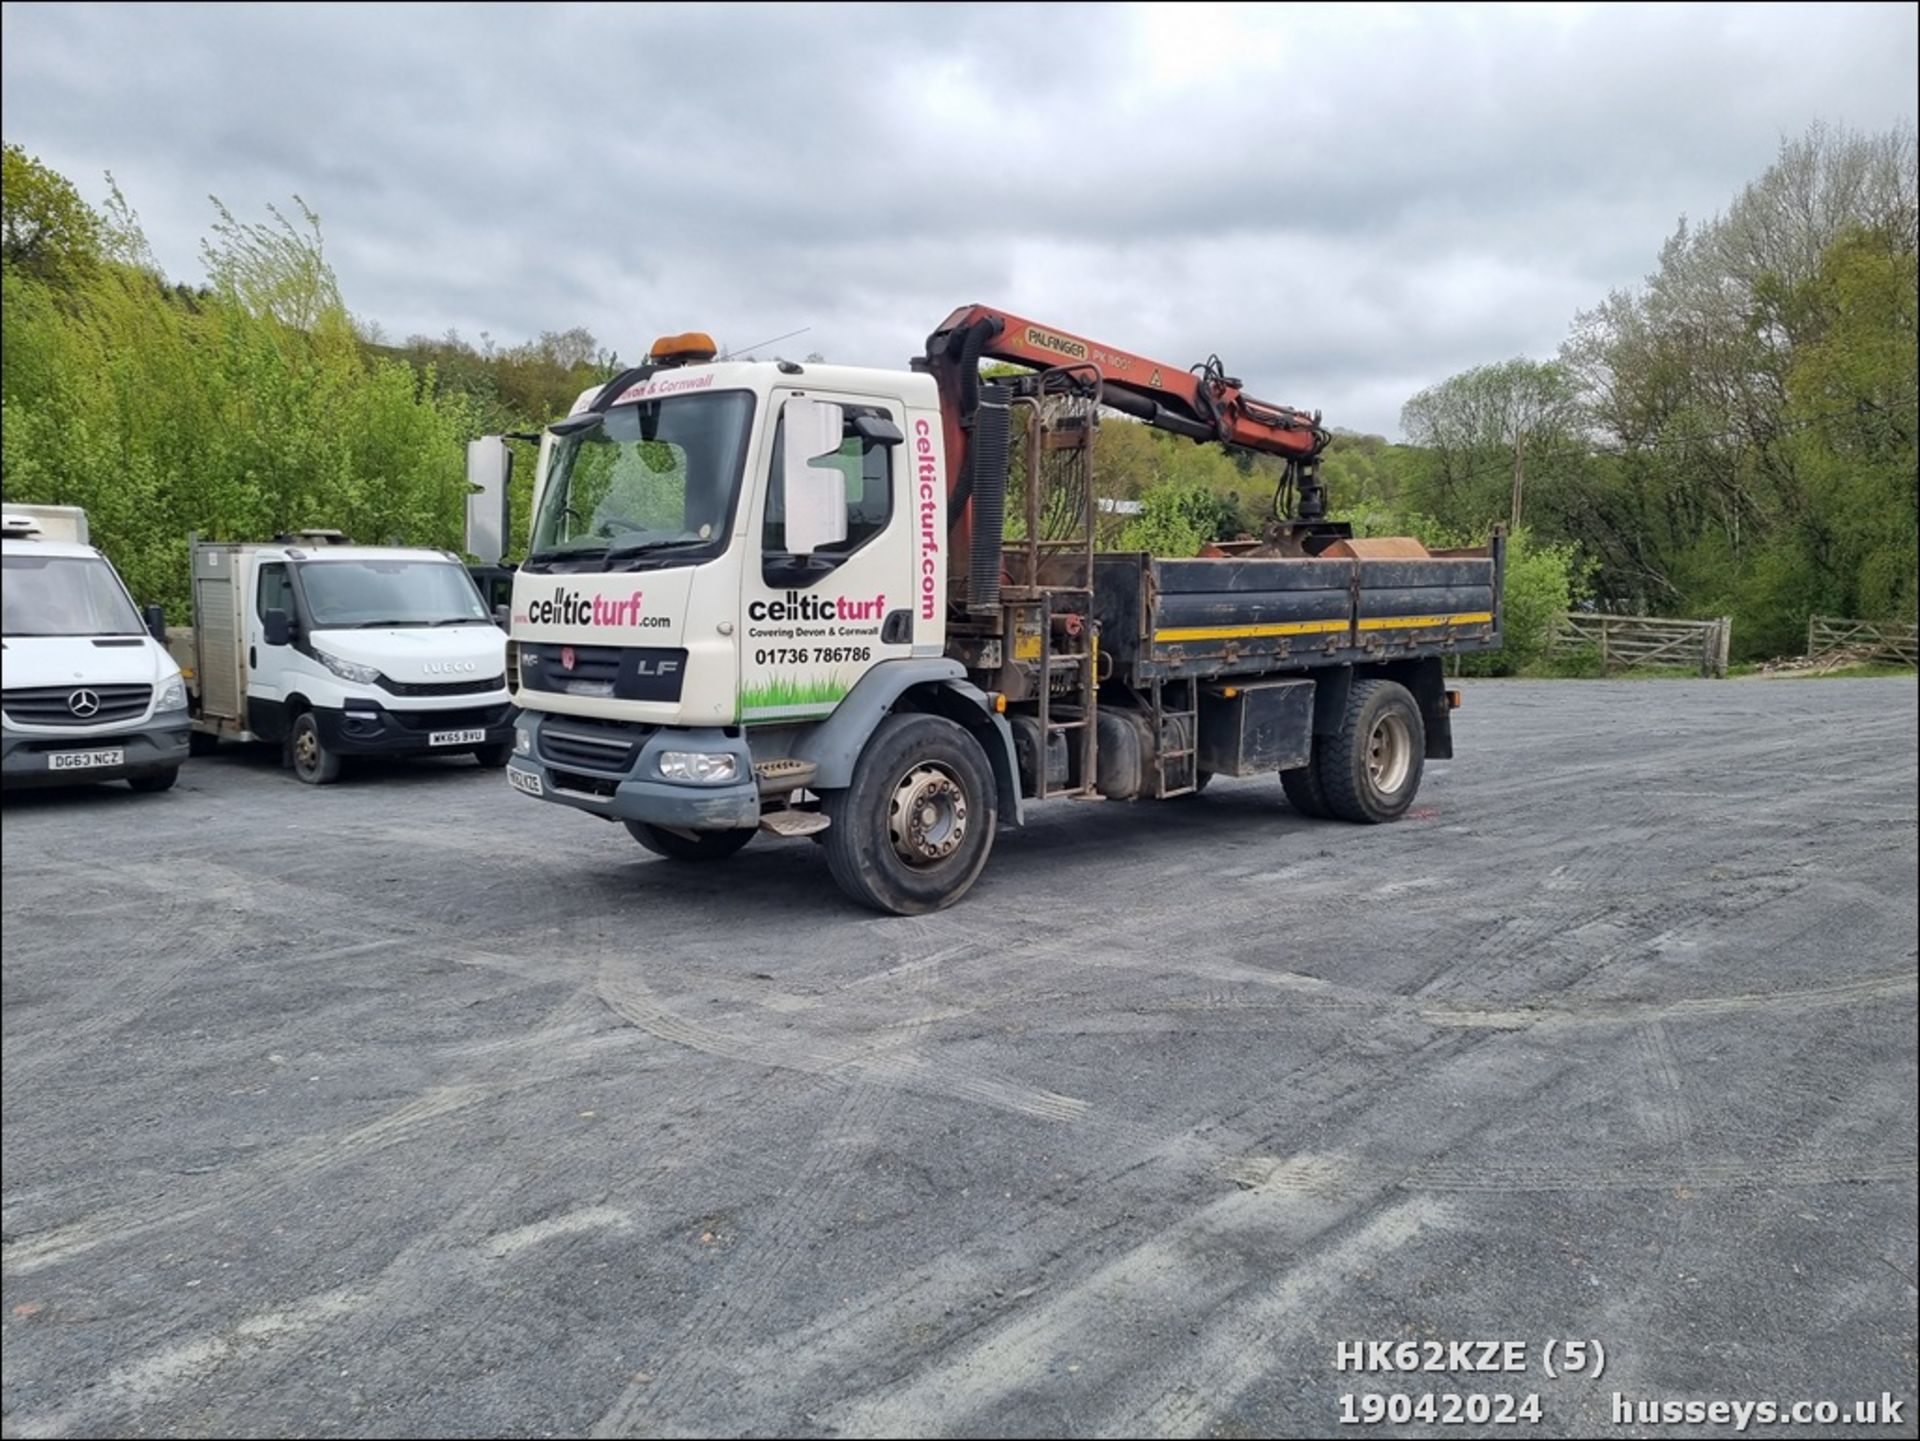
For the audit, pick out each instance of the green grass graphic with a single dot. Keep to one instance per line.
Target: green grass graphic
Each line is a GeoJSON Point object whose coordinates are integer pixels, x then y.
{"type": "Point", "coordinates": [788, 692]}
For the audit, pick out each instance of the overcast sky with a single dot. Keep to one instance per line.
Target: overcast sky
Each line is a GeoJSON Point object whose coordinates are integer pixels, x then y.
{"type": "Point", "coordinates": [1345, 203]}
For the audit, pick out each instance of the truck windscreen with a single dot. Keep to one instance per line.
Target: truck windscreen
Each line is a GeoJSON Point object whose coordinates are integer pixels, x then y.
{"type": "Point", "coordinates": [65, 595]}
{"type": "Point", "coordinates": [375, 593]}
{"type": "Point", "coordinates": [651, 483]}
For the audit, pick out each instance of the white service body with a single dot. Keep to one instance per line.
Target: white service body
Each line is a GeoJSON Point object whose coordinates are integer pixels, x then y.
{"type": "Point", "coordinates": [391, 650]}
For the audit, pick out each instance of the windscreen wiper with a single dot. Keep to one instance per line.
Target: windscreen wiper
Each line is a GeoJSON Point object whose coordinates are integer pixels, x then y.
{"type": "Point", "coordinates": [648, 547]}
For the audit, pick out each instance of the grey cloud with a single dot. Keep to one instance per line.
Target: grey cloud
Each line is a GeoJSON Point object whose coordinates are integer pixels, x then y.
{"type": "Point", "coordinates": [1345, 203]}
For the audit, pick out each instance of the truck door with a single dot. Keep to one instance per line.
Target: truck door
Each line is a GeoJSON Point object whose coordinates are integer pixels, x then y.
{"type": "Point", "coordinates": [829, 588]}
{"type": "Point", "coordinates": [267, 665]}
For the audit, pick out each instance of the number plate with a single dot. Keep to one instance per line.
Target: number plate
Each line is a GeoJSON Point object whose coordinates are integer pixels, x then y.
{"type": "Point", "coordinates": [457, 738]}
{"type": "Point", "coordinates": [84, 760]}
{"type": "Point", "coordinates": [524, 781]}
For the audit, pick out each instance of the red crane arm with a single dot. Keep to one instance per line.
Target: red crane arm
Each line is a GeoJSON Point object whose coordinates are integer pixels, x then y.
{"type": "Point", "coordinates": [1202, 403]}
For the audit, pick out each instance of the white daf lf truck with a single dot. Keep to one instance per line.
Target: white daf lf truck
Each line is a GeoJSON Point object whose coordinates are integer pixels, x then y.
{"type": "Point", "coordinates": [90, 694]}
{"type": "Point", "coordinates": [867, 606]}
{"type": "Point", "coordinates": [336, 650]}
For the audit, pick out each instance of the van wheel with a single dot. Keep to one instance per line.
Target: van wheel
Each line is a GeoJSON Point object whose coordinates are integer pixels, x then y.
{"type": "Point", "coordinates": [1370, 770]}
{"type": "Point", "coordinates": [700, 846]}
{"type": "Point", "coordinates": [158, 781]}
{"type": "Point", "coordinates": [312, 761]}
{"type": "Point", "coordinates": [913, 831]}
{"type": "Point", "coordinates": [495, 758]}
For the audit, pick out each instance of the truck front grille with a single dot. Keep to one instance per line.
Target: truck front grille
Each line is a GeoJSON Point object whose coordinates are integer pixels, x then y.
{"type": "Point", "coordinates": [76, 705]}
{"type": "Point", "coordinates": [588, 745]}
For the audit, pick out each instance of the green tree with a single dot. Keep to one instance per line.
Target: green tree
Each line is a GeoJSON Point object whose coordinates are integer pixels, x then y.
{"type": "Point", "coordinates": [46, 230]}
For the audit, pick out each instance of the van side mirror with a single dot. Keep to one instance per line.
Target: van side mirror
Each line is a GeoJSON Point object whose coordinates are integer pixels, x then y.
{"type": "Point", "coordinates": [276, 627]}
{"type": "Point", "coordinates": [503, 616]}
{"type": "Point", "coordinates": [816, 495]}
{"type": "Point", "coordinates": [156, 619]}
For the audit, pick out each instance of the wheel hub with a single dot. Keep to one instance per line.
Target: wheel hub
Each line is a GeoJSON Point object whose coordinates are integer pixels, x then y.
{"type": "Point", "coordinates": [306, 750]}
{"type": "Point", "coordinates": [1389, 754]}
{"type": "Point", "coordinates": [928, 815]}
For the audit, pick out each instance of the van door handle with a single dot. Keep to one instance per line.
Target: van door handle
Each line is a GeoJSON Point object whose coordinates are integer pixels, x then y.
{"type": "Point", "coordinates": [253, 657]}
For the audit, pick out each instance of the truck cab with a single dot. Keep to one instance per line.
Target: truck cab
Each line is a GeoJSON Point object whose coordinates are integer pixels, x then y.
{"type": "Point", "coordinates": [336, 651]}
{"type": "Point", "coordinates": [89, 693]}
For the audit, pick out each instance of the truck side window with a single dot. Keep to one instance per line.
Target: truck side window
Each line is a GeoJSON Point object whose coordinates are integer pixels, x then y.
{"type": "Point", "coordinates": [276, 590]}
{"type": "Point", "coordinates": [869, 475]}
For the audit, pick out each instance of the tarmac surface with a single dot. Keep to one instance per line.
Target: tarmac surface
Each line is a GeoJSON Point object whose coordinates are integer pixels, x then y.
{"type": "Point", "coordinates": [414, 1106]}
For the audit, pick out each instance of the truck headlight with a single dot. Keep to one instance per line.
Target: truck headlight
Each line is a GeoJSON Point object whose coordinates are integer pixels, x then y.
{"type": "Point", "coordinates": [349, 669]}
{"type": "Point", "coordinates": [700, 768]}
{"type": "Point", "coordinates": [173, 695]}
{"type": "Point", "coordinates": [522, 741]}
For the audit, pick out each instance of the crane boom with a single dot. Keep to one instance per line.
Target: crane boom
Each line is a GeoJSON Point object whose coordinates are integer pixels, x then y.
{"type": "Point", "coordinates": [1202, 403]}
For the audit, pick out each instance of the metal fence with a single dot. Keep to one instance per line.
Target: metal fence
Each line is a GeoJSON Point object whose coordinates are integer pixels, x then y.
{"type": "Point", "coordinates": [1860, 642]}
{"type": "Point", "coordinates": [1628, 642]}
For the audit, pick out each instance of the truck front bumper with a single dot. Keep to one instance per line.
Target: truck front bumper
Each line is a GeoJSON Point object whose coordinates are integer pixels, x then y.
{"type": "Point", "coordinates": [159, 745]}
{"type": "Point", "coordinates": [372, 730]}
{"type": "Point", "coordinates": [613, 771]}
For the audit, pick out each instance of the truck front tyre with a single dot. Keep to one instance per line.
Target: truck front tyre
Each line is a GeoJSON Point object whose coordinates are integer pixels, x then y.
{"type": "Point", "coordinates": [312, 761]}
{"type": "Point", "coordinates": [1369, 771]}
{"type": "Point", "coordinates": [157, 781]}
{"type": "Point", "coordinates": [697, 846]}
{"type": "Point", "coordinates": [912, 832]}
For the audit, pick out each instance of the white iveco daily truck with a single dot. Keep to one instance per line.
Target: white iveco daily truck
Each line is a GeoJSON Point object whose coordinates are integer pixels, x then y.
{"type": "Point", "coordinates": [338, 650]}
{"type": "Point", "coordinates": [90, 693]}
{"type": "Point", "coordinates": [766, 596]}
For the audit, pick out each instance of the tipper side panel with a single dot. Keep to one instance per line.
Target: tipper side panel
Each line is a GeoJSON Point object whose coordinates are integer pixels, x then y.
{"type": "Point", "coordinates": [1203, 617]}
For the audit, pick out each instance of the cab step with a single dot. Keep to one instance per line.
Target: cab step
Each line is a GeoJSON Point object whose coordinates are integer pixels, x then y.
{"type": "Point", "coordinates": [783, 774]}
{"type": "Point", "coordinates": [794, 823]}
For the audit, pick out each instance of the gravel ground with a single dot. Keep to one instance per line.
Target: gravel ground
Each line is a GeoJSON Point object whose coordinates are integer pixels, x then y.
{"type": "Point", "coordinates": [414, 1106]}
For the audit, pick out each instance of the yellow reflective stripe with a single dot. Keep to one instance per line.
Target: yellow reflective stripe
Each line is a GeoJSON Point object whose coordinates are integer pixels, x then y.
{"type": "Point", "coordinates": [1318, 627]}
{"type": "Point", "coordinates": [1247, 632]}
{"type": "Point", "coordinates": [1425, 622]}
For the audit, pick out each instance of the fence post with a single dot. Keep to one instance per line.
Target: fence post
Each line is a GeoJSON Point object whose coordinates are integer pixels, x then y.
{"type": "Point", "coordinates": [1726, 644]}
{"type": "Point", "coordinates": [1811, 619]}
{"type": "Point", "coordinates": [1605, 665]}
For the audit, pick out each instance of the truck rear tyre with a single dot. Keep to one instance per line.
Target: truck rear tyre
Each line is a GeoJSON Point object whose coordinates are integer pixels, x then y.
{"type": "Point", "coordinates": [1370, 770]}
{"type": "Point", "coordinates": [1303, 792]}
{"type": "Point", "coordinates": [699, 846]}
{"type": "Point", "coordinates": [312, 761]}
{"type": "Point", "coordinates": [158, 781]}
{"type": "Point", "coordinates": [913, 831]}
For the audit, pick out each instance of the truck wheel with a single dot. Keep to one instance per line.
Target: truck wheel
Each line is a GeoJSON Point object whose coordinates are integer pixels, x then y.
{"type": "Point", "coordinates": [200, 743]}
{"type": "Point", "coordinates": [700, 846]}
{"type": "Point", "coordinates": [913, 831]}
{"type": "Point", "coordinates": [312, 761]}
{"type": "Point", "coordinates": [495, 758]}
{"type": "Point", "coordinates": [1303, 791]}
{"type": "Point", "coordinates": [1370, 770]}
{"type": "Point", "coordinates": [158, 781]}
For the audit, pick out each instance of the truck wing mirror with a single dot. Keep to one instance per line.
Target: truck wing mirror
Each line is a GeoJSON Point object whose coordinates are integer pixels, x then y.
{"type": "Point", "coordinates": [156, 620]}
{"type": "Point", "coordinates": [276, 627]}
{"type": "Point", "coordinates": [816, 495]}
{"type": "Point", "coordinates": [878, 430]}
{"type": "Point", "coordinates": [503, 616]}
{"type": "Point", "coordinates": [489, 469]}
